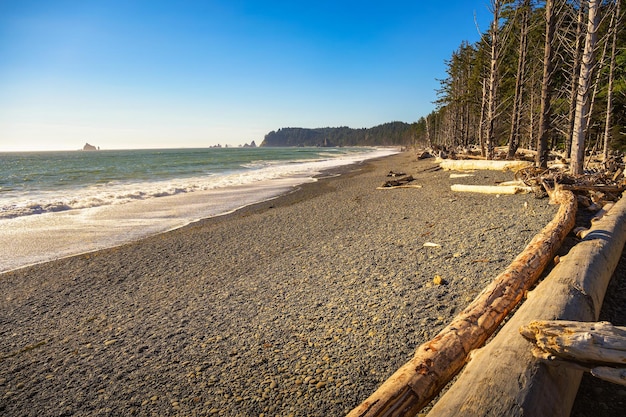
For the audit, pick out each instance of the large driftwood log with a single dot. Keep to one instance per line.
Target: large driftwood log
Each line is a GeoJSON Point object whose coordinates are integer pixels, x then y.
{"type": "Point", "coordinates": [412, 386]}
{"type": "Point", "coordinates": [504, 378]}
{"type": "Point", "coordinates": [465, 165]}
{"type": "Point", "coordinates": [491, 189]}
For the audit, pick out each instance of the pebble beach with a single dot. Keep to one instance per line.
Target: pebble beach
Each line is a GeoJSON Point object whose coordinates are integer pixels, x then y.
{"type": "Point", "coordinates": [298, 306]}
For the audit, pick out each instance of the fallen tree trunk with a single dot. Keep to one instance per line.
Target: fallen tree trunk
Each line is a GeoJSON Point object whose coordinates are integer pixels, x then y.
{"type": "Point", "coordinates": [412, 386]}
{"type": "Point", "coordinates": [465, 165]}
{"type": "Point", "coordinates": [504, 378]}
{"type": "Point", "coordinates": [491, 189]}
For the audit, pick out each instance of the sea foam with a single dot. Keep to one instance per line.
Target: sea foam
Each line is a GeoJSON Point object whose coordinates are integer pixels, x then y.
{"type": "Point", "coordinates": [49, 225]}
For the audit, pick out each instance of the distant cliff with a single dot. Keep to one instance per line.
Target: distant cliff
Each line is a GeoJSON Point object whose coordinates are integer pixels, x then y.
{"type": "Point", "coordinates": [394, 133]}
{"type": "Point", "coordinates": [89, 147]}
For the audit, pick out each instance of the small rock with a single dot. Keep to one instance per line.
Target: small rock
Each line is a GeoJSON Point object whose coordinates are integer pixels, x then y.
{"type": "Point", "coordinates": [438, 280]}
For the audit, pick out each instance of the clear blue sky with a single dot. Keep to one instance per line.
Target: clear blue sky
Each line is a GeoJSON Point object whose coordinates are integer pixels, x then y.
{"type": "Point", "coordinates": [152, 73]}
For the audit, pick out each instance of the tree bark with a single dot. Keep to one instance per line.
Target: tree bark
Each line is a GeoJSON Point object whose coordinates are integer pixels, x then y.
{"type": "Point", "coordinates": [437, 361]}
{"type": "Point", "coordinates": [582, 98]}
{"type": "Point", "coordinates": [545, 122]}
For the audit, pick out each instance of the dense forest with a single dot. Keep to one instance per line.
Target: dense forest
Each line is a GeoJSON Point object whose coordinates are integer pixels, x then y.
{"type": "Point", "coordinates": [545, 75]}
{"type": "Point", "coordinates": [394, 133]}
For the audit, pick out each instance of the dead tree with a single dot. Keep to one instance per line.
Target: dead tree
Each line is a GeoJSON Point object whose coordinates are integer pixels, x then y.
{"type": "Point", "coordinates": [582, 99]}
{"type": "Point", "coordinates": [609, 97]}
{"type": "Point", "coordinates": [545, 122]}
{"type": "Point", "coordinates": [574, 76]}
{"type": "Point", "coordinates": [516, 114]}
{"type": "Point", "coordinates": [490, 134]}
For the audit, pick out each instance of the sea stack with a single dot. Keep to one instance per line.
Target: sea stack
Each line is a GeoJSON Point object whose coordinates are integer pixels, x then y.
{"type": "Point", "coordinates": [89, 147]}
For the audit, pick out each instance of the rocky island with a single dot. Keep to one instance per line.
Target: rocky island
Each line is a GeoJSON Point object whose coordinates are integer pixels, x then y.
{"type": "Point", "coordinates": [89, 147]}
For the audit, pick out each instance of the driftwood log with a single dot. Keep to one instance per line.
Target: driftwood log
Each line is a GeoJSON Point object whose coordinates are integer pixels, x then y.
{"type": "Point", "coordinates": [435, 362]}
{"type": "Point", "coordinates": [499, 165]}
{"type": "Point", "coordinates": [504, 378]}
{"type": "Point", "coordinates": [599, 348]}
{"type": "Point", "coordinates": [491, 189]}
{"type": "Point", "coordinates": [402, 182]}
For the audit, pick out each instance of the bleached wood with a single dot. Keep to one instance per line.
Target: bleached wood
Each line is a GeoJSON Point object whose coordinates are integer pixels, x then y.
{"type": "Point", "coordinates": [614, 375]}
{"type": "Point", "coordinates": [491, 189]}
{"type": "Point", "coordinates": [437, 361]}
{"type": "Point", "coordinates": [504, 378]}
{"type": "Point", "coordinates": [466, 165]}
{"type": "Point", "coordinates": [598, 343]}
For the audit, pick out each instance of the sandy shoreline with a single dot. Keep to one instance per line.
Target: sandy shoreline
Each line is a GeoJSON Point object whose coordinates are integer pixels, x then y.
{"type": "Point", "coordinates": [301, 305]}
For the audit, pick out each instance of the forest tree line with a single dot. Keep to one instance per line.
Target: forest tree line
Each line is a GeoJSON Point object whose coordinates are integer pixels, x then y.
{"type": "Point", "coordinates": [387, 134]}
{"type": "Point", "coordinates": [545, 75]}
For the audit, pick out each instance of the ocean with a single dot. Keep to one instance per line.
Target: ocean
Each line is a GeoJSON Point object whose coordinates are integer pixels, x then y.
{"type": "Point", "coordinates": [57, 204]}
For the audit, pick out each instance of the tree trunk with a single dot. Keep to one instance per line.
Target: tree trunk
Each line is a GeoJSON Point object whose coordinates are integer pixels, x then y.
{"type": "Point", "coordinates": [609, 96]}
{"type": "Point", "coordinates": [412, 386]}
{"type": "Point", "coordinates": [516, 114]}
{"type": "Point", "coordinates": [592, 101]}
{"type": "Point", "coordinates": [545, 122]}
{"type": "Point", "coordinates": [481, 124]}
{"type": "Point", "coordinates": [493, 81]}
{"type": "Point", "coordinates": [575, 74]}
{"type": "Point", "coordinates": [582, 99]}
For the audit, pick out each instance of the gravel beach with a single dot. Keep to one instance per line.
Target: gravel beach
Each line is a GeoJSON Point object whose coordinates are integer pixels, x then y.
{"type": "Point", "coordinates": [300, 306]}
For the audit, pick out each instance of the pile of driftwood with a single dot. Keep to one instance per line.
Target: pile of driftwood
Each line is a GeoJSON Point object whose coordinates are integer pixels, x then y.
{"type": "Point", "coordinates": [504, 377]}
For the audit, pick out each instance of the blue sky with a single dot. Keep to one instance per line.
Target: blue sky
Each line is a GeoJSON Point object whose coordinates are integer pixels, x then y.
{"type": "Point", "coordinates": [146, 74]}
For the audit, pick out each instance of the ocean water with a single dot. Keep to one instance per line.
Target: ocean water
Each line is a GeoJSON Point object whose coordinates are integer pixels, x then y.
{"type": "Point", "coordinates": [56, 204]}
